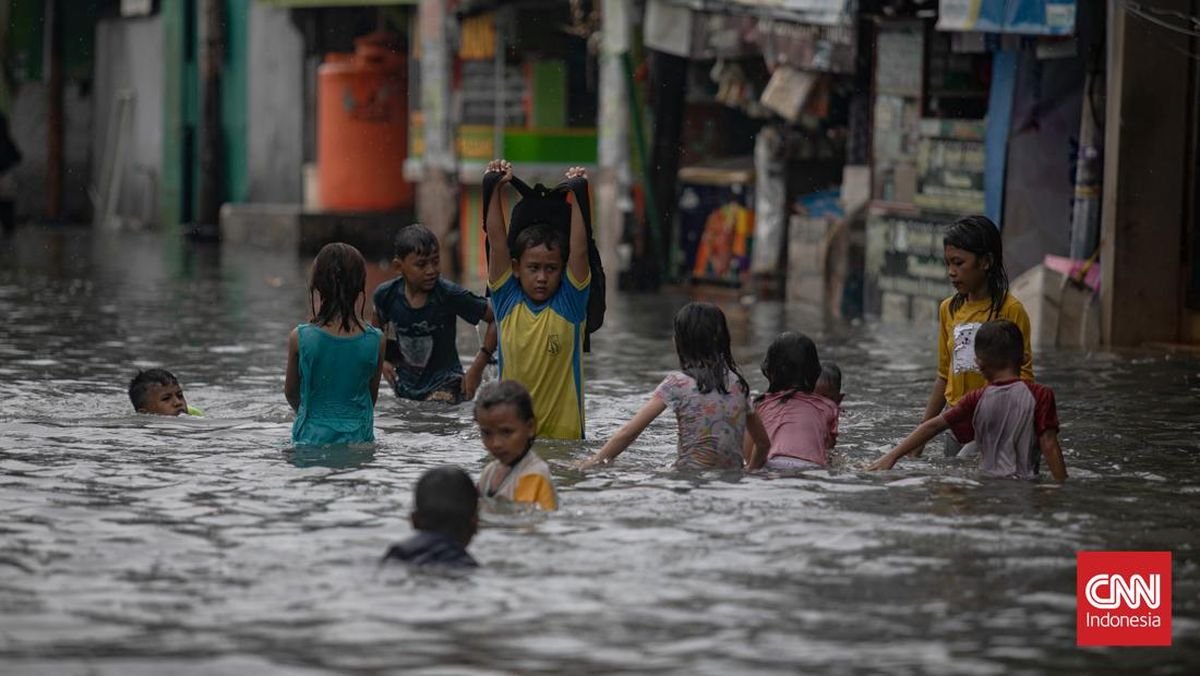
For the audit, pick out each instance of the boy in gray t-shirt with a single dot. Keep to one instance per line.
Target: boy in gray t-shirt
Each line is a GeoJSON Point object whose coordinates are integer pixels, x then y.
{"type": "Point", "coordinates": [1012, 422]}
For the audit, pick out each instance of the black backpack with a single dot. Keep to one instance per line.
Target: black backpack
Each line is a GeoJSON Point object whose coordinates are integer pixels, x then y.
{"type": "Point", "coordinates": [540, 204]}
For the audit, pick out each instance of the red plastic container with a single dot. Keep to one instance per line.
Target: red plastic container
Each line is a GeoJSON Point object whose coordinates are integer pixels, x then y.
{"type": "Point", "coordinates": [362, 128]}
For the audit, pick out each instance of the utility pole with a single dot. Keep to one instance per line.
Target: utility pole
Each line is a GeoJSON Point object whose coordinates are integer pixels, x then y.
{"type": "Point", "coordinates": [212, 53]}
{"type": "Point", "coordinates": [613, 137]}
{"type": "Point", "coordinates": [437, 193]}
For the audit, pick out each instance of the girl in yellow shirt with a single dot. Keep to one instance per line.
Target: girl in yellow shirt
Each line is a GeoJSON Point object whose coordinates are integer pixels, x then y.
{"type": "Point", "coordinates": [974, 255]}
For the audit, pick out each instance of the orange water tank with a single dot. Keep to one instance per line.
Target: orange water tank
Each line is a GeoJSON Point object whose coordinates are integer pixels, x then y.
{"type": "Point", "coordinates": [362, 128]}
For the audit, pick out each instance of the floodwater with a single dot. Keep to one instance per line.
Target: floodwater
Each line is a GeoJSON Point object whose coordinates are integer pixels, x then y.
{"type": "Point", "coordinates": [139, 545]}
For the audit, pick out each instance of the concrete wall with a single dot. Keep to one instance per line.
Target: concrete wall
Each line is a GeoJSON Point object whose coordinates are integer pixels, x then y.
{"type": "Point", "coordinates": [28, 129]}
{"type": "Point", "coordinates": [275, 136]}
{"type": "Point", "coordinates": [129, 59]}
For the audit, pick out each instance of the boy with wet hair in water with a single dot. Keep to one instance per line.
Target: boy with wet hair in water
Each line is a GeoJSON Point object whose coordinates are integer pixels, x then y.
{"type": "Point", "coordinates": [418, 312]}
{"type": "Point", "coordinates": [158, 392]}
{"type": "Point", "coordinates": [1012, 421]}
{"type": "Point", "coordinates": [445, 516]}
{"type": "Point", "coordinates": [504, 413]}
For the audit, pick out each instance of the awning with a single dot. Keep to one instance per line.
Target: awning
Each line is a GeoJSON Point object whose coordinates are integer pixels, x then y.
{"type": "Point", "coordinates": [812, 12]}
{"type": "Point", "coordinates": [806, 34]}
{"type": "Point", "coordinates": [1025, 17]}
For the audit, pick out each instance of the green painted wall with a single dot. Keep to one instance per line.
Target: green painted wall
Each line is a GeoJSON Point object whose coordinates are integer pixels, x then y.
{"type": "Point", "coordinates": [180, 189]}
{"type": "Point", "coordinates": [234, 115]}
{"type": "Point", "coordinates": [170, 189]}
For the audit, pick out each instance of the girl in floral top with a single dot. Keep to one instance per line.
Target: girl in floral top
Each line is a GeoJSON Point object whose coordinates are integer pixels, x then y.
{"type": "Point", "coordinates": [710, 398]}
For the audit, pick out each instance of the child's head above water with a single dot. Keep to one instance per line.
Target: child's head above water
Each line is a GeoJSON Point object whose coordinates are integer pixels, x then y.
{"type": "Point", "coordinates": [999, 348]}
{"type": "Point", "coordinates": [792, 364]}
{"type": "Point", "coordinates": [417, 257]}
{"type": "Point", "coordinates": [157, 391]}
{"type": "Point", "coordinates": [539, 259]}
{"type": "Point", "coordinates": [446, 502]}
{"type": "Point", "coordinates": [829, 385]}
{"type": "Point", "coordinates": [339, 279]}
{"type": "Point", "coordinates": [504, 413]}
{"type": "Point", "coordinates": [974, 254]}
{"type": "Point", "coordinates": [702, 344]}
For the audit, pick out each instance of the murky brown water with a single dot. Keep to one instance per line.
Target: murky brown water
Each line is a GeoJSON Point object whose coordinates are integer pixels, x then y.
{"type": "Point", "coordinates": [131, 544]}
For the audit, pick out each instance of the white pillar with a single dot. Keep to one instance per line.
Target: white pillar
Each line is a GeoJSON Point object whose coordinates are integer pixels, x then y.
{"type": "Point", "coordinates": [612, 185]}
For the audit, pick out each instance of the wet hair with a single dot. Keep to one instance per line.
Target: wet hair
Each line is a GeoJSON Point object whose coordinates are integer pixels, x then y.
{"type": "Point", "coordinates": [831, 375]}
{"type": "Point", "coordinates": [791, 364]}
{"type": "Point", "coordinates": [999, 344]}
{"type": "Point", "coordinates": [339, 274]}
{"type": "Point", "coordinates": [417, 239]}
{"type": "Point", "coordinates": [702, 343]}
{"type": "Point", "coordinates": [540, 234]}
{"type": "Point", "coordinates": [139, 387]}
{"type": "Point", "coordinates": [501, 392]}
{"type": "Point", "coordinates": [447, 502]}
{"type": "Point", "coordinates": [980, 236]}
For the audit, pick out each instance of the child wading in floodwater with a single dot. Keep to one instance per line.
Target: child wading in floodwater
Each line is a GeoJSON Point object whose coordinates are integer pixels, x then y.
{"type": "Point", "coordinates": [540, 291]}
{"type": "Point", "coordinates": [1013, 422]}
{"type": "Point", "coordinates": [418, 312]}
{"type": "Point", "coordinates": [710, 398]}
{"type": "Point", "coordinates": [504, 413]}
{"type": "Point", "coordinates": [335, 359]}
{"type": "Point", "coordinates": [802, 425]}
{"type": "Point", "coordinates": [158, 392]}
{"type": "Point", "coordinates": [975, 264]}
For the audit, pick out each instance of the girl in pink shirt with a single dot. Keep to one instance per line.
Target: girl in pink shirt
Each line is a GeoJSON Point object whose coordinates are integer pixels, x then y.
{"type": "Point", "coordinates": [802, 426]}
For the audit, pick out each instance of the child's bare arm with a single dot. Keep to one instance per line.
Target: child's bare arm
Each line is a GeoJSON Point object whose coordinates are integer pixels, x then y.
{"type": "Point", "coordinates": [487, 350]}
{"type": "Point", "coordinates": [378, 369]}
{"type": "Point", "coordinates": [937, 401]}
{"type": "Point", "coordinates": [291, 382]}
{"type": "Point", "coordinates": [627, 434]}
{"type": "Point", "coordinates": [1053, 454]}
{"type": "Point", "coordinates": [577, 260]}
{"type": "Point", "coordinates": [920, 436]}
{"type": "Point", "coordinates": [762, 443]}
{"type": "Point", "coordinates": [497, 230]}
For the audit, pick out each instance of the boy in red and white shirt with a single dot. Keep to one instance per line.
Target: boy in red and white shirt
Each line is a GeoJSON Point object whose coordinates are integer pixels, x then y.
{"type": "Point", "coordinates": [1012, 422]}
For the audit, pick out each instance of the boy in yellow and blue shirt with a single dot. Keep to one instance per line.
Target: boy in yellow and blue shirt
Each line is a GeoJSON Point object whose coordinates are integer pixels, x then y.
{"type": "Point", "coordinates": [542, 320]}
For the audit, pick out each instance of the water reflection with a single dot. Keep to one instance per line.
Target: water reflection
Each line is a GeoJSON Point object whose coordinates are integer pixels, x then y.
{"type": "Point", "coordinates": [132, 543]}
{"type": "Point", "coordinates": [333, 457]}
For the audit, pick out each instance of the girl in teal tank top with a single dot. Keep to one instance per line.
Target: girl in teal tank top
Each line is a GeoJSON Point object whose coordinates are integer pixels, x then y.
{"type": "Point", "coordinates": [335, 360]}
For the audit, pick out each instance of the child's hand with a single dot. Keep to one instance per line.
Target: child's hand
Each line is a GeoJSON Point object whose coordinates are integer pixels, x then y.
{"type": "Point", "coordinates": [882, 463]}
{"type": "Point", "coordinates": [470, 381]}
{"type": "Point", "coordinates": [577, 172]}
{"type": "Point", "coordinates": [389, 373]}
{"type": "Point", "coordinates": [502, 167]}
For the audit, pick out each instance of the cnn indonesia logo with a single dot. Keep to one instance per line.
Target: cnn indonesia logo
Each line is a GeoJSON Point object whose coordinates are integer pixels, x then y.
{"type": "Point", "coordinates": [1123, 598]}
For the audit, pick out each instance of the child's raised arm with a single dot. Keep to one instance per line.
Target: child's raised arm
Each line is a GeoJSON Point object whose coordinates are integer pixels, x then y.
{"type": "Point", "coordinates": [577, 259]}
{"type": "Point", "coordinates": [487, 350]}
{"type": "Point", "coordinates": [493, 221]}
{"type": "Point", "coordinates": [627, 434]}
{"type": "Point", "coordinates": [1053, 453]}
{"type": "Point", "coordinates": [920, 436]}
